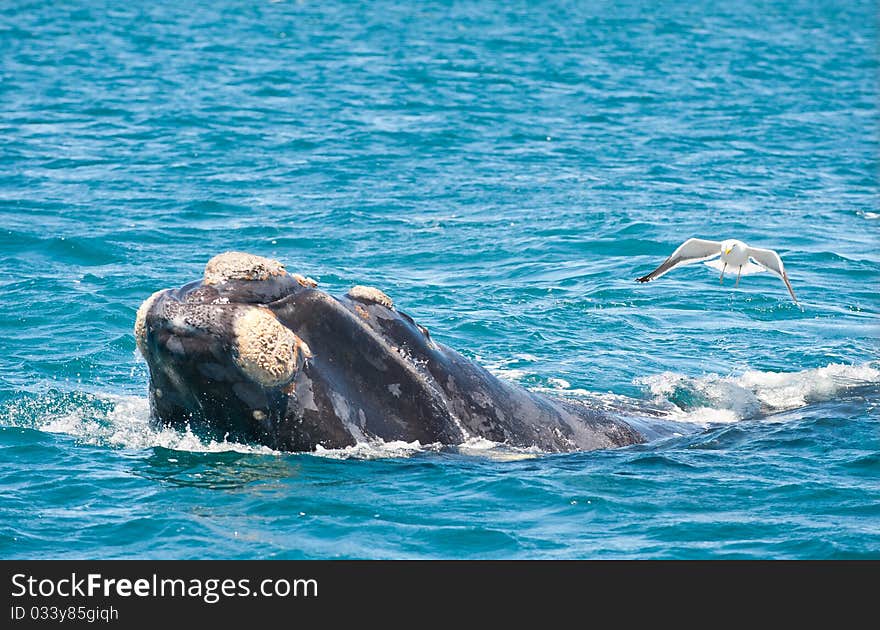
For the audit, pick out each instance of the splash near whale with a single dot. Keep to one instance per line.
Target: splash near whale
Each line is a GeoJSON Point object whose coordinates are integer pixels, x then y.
{"type": "Point", "coordinates": [253, 353]}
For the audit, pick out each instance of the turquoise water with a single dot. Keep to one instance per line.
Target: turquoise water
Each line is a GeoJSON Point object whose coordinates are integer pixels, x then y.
{"type": "Point", "coordinates": [504, 173]}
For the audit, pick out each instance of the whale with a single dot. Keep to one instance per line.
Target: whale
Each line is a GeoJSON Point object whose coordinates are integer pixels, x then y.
{"type": "Point", "coordinates": [253, 353]}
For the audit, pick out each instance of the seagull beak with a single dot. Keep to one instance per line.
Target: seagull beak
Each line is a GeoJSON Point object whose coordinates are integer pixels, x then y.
{"type": "Point", "coordinates": [728, 250]}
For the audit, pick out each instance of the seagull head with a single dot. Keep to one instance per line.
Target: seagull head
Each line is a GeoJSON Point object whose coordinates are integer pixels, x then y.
{"type": "Point", "coordinates": [732, 246]}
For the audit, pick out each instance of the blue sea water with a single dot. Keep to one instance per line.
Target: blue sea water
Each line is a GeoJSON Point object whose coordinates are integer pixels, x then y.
{"type": "Point", "coordinates": [502, 170]}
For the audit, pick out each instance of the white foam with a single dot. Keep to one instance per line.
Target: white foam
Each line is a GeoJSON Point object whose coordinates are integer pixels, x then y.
{"type": "Point", "coordinates": [559, 382]}
{"type": "Point", "coordinates": [508, 374]}
{"type": "Point", "coordinates": [497, 451]}
{"type": "Point", "coordinates": [375, 449]}
{"type": "Point", "coordinates": [120, 421]}
{"type": "Point", "coordinates": [721, 399]}
{"type": "Point", "coordinates": [123, 421]}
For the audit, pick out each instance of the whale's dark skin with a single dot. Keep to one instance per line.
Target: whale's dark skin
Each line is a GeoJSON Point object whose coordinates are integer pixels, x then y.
{"type": "Point", "coordinates": [362, 370]}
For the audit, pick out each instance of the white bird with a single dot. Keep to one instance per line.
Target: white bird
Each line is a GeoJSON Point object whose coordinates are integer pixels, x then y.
{"type": "Point", "coordinates": [733, 253]}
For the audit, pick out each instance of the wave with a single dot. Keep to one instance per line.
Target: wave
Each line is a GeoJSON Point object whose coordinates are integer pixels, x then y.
{"type": "Point", "coordinates": [715, 399]}
{"type": "Point", "coordinates": [123, 421]}
{"type": "Point", "coordinates": [115, 420]}
{"type": "Point", "coordinates": [475, 446]}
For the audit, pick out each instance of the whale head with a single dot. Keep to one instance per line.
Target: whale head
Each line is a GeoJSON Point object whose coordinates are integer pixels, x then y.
{"type": "Point", "coordinates": [253, 353]}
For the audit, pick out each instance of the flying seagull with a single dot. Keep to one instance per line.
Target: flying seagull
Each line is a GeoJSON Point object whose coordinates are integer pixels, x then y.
{"type": "Point", "coordinates": [733, 253]}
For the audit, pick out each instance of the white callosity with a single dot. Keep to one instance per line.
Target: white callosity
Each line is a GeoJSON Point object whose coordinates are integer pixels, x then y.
{"type": "Point", "coordinates": [241, 266]}
{"type": "Point", "coordinates": [305, 281]}
{"type": "Point", "coordinates": [184, 318]}
{"type": "Point", "coordinates": [370, 294]}
{"type": "Point", "coordinates": [265, 350]}
{"type": "Point", "coordinates": [140, 322]}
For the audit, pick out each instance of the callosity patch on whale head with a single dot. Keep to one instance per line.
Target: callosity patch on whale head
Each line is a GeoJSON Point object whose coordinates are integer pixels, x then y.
{"type": "Point", "coordinates": [140, 322]}
{"type": "Point", "coordinates": [370, 294]}
{"type": "Point", "coordinates": [267, 351]}
{"type": "Point", "coordinates": [305, 281]}
{"type": "Point", "coordinates": [240, 266]}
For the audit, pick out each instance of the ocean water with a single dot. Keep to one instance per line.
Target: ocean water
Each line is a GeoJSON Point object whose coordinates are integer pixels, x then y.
{"type": "Point", "coordinates": [504, 171]}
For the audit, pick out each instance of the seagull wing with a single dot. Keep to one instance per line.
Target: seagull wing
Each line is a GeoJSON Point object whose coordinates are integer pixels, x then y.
{"type": "Point", "coordinates": [771, 261]}
{"type": "Point", "coordinates": [691, 251]}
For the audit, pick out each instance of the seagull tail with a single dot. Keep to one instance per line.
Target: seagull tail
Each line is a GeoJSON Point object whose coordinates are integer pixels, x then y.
{"type": "Point", "coordinates": [747, 269]}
